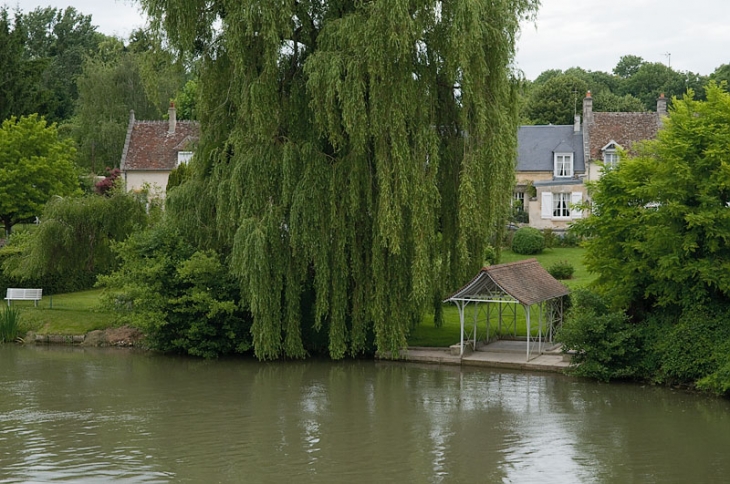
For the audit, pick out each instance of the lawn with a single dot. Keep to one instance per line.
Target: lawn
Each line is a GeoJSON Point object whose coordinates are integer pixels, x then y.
{"type": "Point", "coordinates": [71, 313]}
{"type": "Point", "coordinates": [79, 312]}
{"type": "Point", "coordinates": [426, 334]}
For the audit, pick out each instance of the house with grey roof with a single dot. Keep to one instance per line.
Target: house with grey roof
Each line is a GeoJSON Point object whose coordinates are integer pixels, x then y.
{"type": "Point", "coordinates": [553, 162]}
{"type": "Point", "coordinates": [550, 172]}
{"type": "Point", "coordinates": [153, 149]}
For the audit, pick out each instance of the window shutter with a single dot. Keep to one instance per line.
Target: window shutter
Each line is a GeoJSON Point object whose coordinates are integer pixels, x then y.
{"type": "Point", "coordinates": [576, 198]}
{"type": "Point", "coordinates": [546, 210]}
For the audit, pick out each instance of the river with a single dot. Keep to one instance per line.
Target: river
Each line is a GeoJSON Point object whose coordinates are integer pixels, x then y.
{"type": "Point", "coordinates": [109, 415]}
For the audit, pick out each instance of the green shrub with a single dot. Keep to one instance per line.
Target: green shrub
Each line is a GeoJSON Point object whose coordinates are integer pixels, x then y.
{"type": "Point", "coordinates": [569, 239]}
{"type": "Point", "coordinates": [694, 347]}
{"type": "Point", "coordinates": [9, 325]}
{"type": "Point", "coordinates": [717, 382]}
{"type": "Point", "coordinates": [490, 255]}
{"type": "Point", "coordinates": [551, 238]}
{"type": "Point", "coordinates": [183, 299]}
{"type": "Point", "coordinates": [606, 344]}
{"type": "Point", "coordinates": [528, 241]}
{"type": "Point", "coordinates": [561, 270]}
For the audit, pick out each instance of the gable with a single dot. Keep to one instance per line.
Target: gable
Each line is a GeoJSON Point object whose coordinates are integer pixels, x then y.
{"type": "Point", "coordinates": [151, 147]}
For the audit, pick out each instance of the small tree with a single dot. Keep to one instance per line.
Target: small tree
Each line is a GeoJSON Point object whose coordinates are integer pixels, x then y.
{"type": "Point", "coordinates": [35, 165]}
{"type": "Point", "coordinates": [74, 239]}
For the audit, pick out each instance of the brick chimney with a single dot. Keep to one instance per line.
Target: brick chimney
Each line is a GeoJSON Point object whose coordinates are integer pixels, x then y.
{"type": "Point", "coordinates": [172, 117]}
{"type": "Point", "coordinates": [661, 105]}
{"type": "Point", "coordinates": [576, 123]}
{"type": "Point", "coordinates": [588, 109]}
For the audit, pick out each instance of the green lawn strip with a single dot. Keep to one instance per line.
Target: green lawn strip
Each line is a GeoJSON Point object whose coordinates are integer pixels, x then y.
{"type": "Point", "coordinates": [66, 314]}
{"type": "Point", "coordinates": [426, 334]}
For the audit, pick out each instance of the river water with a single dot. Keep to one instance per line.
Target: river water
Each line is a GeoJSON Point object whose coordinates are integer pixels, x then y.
{"type": "Point", "coordinates": [94, 415]}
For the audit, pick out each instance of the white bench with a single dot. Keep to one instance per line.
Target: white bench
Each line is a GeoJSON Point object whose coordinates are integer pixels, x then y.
{"type": "Point", "coordinates": [15, 294]}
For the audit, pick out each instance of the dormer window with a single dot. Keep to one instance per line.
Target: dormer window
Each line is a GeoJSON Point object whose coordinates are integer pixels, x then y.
{"type": "Point", "coordinates": [610, 154]}
{"type": "Point", "coordinates": [563, 165]}
{"type": "Point", "coordinates": [183, 157]}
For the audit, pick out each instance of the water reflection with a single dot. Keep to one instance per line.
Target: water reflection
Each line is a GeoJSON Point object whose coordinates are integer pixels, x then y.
{"type": "Point", "coordinates": [94, 415]}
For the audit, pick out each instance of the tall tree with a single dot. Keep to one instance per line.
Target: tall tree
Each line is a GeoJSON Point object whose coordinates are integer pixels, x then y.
{"type": "Point", "coordinates": [660, 223]}
{"type": "Point", "coordinates": [360, 152]}
{"type": "Point", "coordinates": [557, 100]}
{"type": "Point", "coordinates": [141, 76]}
{"type": "Point", "coordinates": [20, 74]}
{"type": "Point", "coordinates": [59, 40]}
{"type": "Point", "coordinates": [34, 166]}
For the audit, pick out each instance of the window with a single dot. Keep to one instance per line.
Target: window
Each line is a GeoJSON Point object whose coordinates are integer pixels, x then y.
{"type": "Point", "coordinates": [183, 157]}
{"type": "Point", "coordinates": [610, 154]}
{"type": "Point", "coordinates": [518, 201]}
{"type": "Point", "coordinates": [560, 205]}
{"type": "Point", "coordinates": [563, 165]}
{"type": "Point", "coordinates": [610, 158]}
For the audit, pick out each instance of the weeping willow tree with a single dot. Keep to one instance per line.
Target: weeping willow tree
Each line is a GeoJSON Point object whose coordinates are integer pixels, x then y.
{"type": "Point", "coordinates": [356, 156]}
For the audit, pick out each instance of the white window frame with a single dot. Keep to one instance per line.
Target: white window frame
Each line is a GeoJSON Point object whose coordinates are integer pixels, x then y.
{"type": "Point", "coordinates": [183, 157]}
{"type": "Point", "coordinates": [564, 202]}
{"type": "Point", "coordinates": [563, 165]}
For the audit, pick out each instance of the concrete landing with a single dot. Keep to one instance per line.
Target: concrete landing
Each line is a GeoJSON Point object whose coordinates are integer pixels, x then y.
{"type": "Point", "coordinates": [500, 354]}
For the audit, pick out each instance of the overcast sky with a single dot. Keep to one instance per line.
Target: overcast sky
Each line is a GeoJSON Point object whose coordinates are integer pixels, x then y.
{"type": "Point", "coordinates": [592, 34]}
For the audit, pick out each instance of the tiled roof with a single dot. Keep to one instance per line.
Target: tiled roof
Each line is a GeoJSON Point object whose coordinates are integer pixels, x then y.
{"type": "Point", "coordinates": [536, 145]}
{"type": "Point", "coordinates": [526, 281]}
{"type": "Point", "coordinates": [150, 145]}
{"type": "Point", "coordinates": [623, 128]}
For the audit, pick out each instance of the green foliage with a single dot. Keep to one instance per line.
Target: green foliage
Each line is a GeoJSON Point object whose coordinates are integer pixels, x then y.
{"type": "Point", "coordinates": [569, 239]}
{"type": "Point", "coordinates": [528, 240]}
{"type": "Point", "coordinates": [35, 165]}
{"type": "Point", "coordinates": [719, 381]}
{"type": "Point", "coordinates": [652, 79]}
{"type": "Point", "coordinates": [660, 222]}
{"type": "Point", "coordinates": [187, 101]}
{"type": "Point", "coordinates": [721, 74]}
{"type": "Point", "coordinates": [693, 347]}
{"type": "Point", "coordinates": [74, 238]}
{"type": "Point", "coordinates": [605, 345]}
{"type": "Point", "coordinates": [184, 300]}
{"type": "Point", "coordinates": [9, 324]}
{"type": "Point", "coordinates": [628, 65]}
{"type": "Point", "coordinates": [334, 157]}
{"type": "Point", "coordinates": [178, 176]}
{"type": "Point", "coordinates": [607, 101]}
{"type": "Point", "coordinates": [551, 238]}
{"type": "Point", "coordinates": [491, 255]}
{"type": "Point", "coordinates": [142, 78]}
{"type": "Point", "coordinates": [561, 270]}
{"type": "Point", "coordinates": [42, 56]}
{"type": "Point", "coordinates": [556, 100]}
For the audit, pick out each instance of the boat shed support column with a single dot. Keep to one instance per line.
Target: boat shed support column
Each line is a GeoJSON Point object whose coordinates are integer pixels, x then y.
{"type": "Point", "coordinates": [460, 305]}
{"type": "Point", "coordinates": [527, 316]}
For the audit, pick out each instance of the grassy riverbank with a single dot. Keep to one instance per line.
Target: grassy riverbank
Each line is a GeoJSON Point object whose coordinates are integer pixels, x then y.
{"type": "Point", "coordinates": [66, 314]}
{"type": "Point", "coordinates": [426, 334]}
{"type": "Point", "coordinates": [79, 312]}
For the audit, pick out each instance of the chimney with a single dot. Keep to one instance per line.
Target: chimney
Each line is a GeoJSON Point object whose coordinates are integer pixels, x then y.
{"type": "Point", "coordinates": [576, 124]}
{"type": "Point", "coordinates": [588, 109]}
{"type": "Point", "coordinates": [661, 105]}
{"type": "Point", "coordinates": [172, 117]}
{"type": "Point", "coordinates": [131, 116]}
